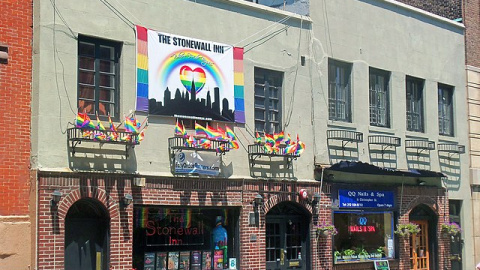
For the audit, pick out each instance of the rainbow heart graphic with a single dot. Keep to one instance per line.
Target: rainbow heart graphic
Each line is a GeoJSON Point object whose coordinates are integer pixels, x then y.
{"type": "Point", "coordinates": [187, 75]}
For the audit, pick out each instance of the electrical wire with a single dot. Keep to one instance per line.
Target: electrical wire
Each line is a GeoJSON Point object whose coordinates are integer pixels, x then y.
{"type": "Point", "coordinates": [56, 11]}
{"type": "Point", "coordinates": [256, 33]}
{"type": "Point", "coordinates": [265, 38]}
{"type": "Point", "coordinates": [119, 14]}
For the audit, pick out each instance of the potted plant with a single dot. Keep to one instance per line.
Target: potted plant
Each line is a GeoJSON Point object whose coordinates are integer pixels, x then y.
{"type": "Point", "coordinates": [450, 229]}
{"type": "Point", "coordinates": [362, 254]}
{"type": "Point", "coordinates": [348, 254]}
{"type": "Point", "coordinates": [326, 229]}
{"type": "Point", "coordinates": [379, 252]}
{"type": "Point", "coordinates": [404, 230]}
{"type": "Point", "coordinates": [337, 255]}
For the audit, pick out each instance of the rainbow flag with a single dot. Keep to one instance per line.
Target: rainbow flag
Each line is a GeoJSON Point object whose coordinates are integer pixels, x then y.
{"type": "Point", "coordinates": [200, 130]}
{"type": "Point", "coordinates": [126, 138]}
{"type": "Point", "coordinates": [100, 125]}
{"type": "Point", "coordinates": [287, 139]}
{"type": "Point", "coordinates": [82, 120]}
{"type": "Point", "coordinates": [268, 148]}
{"type": "Point", "coordinates": [269, 139]}
{"type": "Point", "coordinates": [221, 149]}
{"type": "Point", "coordinates": [99, 136]}
{"type": "Point", "coordinates": [291, 148]}
{"type": "Point", "coordinates": [278, 137]}
{"type": "Point", "coordinates": [188, 219]}
{"type": "Point", "coordinates": [222, 133]}
{"type": "Point", "coordinates": [141, 136]}
{"type": "Point", "coordinates": [204, 143]}
{"type": "Point", "coordinates": [230, 134]}
{"type": "Point", "coordinates": [112, 126]}
{"type": "Point", "coordinates": [131, 124]}
{"type": "Point", "coordinates": [300, 146]}
{"type": "Point", "coordinates": [87, 134]}
{"type": "Point", "coordinates": [112, 136]}
{"type": "Point", "coordinates": [258, 139]}
{"type": "Point", "coordinates": [190, 141]}
{"type": "Point", "coordinates": [212, 133]}
{"type": "Point", "coordinates": [233, 144]}
{"type": "Point", "coordinates": [180, 129]}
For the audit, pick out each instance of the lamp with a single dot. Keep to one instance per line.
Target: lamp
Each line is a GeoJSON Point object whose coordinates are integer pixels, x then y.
{"type": "Point", "coordinates": [127, 200]}
{"type": "Point", "coordinates": [316, 198]}
{"type": "Point", "coordinates": [257, 201]}
{"type": "Point", "coordinates": [56, 196]}
{"type": "Point", "coordinates": [421, 182]}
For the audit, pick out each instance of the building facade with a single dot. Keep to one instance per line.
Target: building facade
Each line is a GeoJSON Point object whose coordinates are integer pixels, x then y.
{"type": "Point", "coordinates": [265, 128]}
{"type": "Point", "coordinates": [16, 220]}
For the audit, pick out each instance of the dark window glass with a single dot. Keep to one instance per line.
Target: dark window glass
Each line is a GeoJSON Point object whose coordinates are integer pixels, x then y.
{"type": "Point", "coordinates": [268, 102]}
{"type": "Point", "coordinates": [339, 96]}
{"type": "Point", "coordinates": [98, 66]}
{"type": "Point", "coordinates": [365, 235]}
{"type": "Point", "coordinates": [445, 110]}
{"type": "Point", "coordinates": [415, 104]}
{"type": "Point", "coordinates": [379, 98]}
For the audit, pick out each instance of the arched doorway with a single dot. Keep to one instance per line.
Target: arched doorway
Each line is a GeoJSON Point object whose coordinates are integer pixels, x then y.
{"type": "Point", "coordinates": [87, 235]}
{"type": "Point", "coordinates": [287, 237]}
{"type": "Point", "coordinates": [424, 245]}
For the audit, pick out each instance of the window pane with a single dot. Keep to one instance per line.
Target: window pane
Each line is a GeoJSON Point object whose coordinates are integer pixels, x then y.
{"type": "Point", "coordinates": [86, 106]}
{"type": "Point", "coordinates": [107, 66]}
{"type": "Point", "coordinates": [364, 234]}
{"type": "Point", "coordinates": [86, 77]}
{"type": "Point", "coordinates": [107, 95]}
{"type": "Point", "coordinates": [106, 52]}
{"type": "Point", "coordinates": [86, 63]}
{"type": "Point", "coordinates": [339, 91]}
{"type": "Point", "coordinates": [105, 108]}
{"type": "Point", "coordinates": [107, 80]}
{"type": "Point", "coordinates": [86, 92]}
{"type": "Point", "coordinates": [268, 97]}
{"type": "Point", "coordinates": [86, 49]}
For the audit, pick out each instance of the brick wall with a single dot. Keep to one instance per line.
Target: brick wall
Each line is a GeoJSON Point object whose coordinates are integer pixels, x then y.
{"type": "Point", "coordinates": [451, 9]}
{"type": "Point", "coordinates": [15, 94]}
{"type": "Point", "coordinates": [472, 32]}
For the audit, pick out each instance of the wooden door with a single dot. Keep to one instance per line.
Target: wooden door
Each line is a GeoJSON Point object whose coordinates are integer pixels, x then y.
{"type": "Point", "coordinates": [419, 252]}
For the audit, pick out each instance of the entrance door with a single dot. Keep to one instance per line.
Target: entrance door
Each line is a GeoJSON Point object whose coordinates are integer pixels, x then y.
{"type": "Point", "coordinates": [86, 236]}
{"type": "Point", "coordinates": [286, 244]}
{"type": "Point", "coordinates": [419, 252]}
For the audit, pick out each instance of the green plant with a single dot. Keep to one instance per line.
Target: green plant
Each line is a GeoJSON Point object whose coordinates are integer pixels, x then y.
{"type": "Point", "coordinates": [451, 228]}
{"type": "Point", "coordinates": [348, 252]}
{"type": "Point", "coordinates": [363, 252]}
{"type": "Point", "coordinates": [406, 229]}
{"type": "Point", "coordinates": [381, 250]}
{"type": "Point", "coordinates": [337, 254]}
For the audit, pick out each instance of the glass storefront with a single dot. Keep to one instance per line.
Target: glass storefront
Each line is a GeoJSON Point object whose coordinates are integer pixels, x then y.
{"type": "Point", "coordinates": [363, 235]}
{"type": "Point", "coordinates": [177, 238]}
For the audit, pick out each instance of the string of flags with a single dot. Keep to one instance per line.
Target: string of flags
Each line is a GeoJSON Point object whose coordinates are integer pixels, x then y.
{"type": "Point", "coordinates": [98, 132]}
{"type": "Point", "coordinates": [279, 143]}
{"type": "Point", "coordinates": [203, 137]}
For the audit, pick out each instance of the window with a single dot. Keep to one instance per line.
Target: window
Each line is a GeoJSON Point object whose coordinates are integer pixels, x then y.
{"type": "Point", "coordinates": [363, 235]}
{"type": "Point", "coordinates": [415, 104]}
{"type": "Point", "coordinates": [445, 109]}
{"type": "Point", "coordinates": [379, 98]}
{"type": "Point", "coordinates": [268, 91]}
{"type": "Point", "coordinates": [98, 78]}
{"type": "Point", "coordinates": [339, 91]}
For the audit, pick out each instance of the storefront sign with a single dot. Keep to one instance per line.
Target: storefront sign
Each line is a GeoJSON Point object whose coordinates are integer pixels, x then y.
{"type": "Point", "coordinates": [381, 265]}
{"type": "Point", "coordinates": [174, 228]}
{"type": "Point", "coordinates": [189, 78]}
{"type": "Point", "coordinates": [365, 199]}
{"type": "Point", "coordinates": [196, 162]}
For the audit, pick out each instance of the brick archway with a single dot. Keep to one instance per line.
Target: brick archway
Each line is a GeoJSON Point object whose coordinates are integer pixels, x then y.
{"type": "Point", "coordinates": [99, 194]}
{"type": "Point", "coordinates": [419, 200]}
{"type": "Point", "coordinates": [276, 199]}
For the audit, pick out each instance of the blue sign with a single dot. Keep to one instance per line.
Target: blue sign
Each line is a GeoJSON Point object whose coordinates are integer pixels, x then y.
{"type": "Point", "coordinates": [365, 199]}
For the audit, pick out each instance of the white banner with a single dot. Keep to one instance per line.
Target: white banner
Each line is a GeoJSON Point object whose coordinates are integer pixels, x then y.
{"type": "Point", "coordinates": [195, 162]}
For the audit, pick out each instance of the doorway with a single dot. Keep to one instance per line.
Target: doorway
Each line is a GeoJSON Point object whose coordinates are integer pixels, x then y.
{"type": "Point", "coordinates": [423, 245]}
{"type": "Point", "coordinates": [87, 235]}
{"type": "Point", "coordinates": [287, 237]}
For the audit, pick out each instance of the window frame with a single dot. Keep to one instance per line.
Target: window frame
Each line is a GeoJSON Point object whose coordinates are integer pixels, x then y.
{"type": "Point", "coordinates": [414, 96]}
{"type": "Point", "coordinates": [339, 73]}
{"type": "Point", "coordinates": [268, 80]}
{"type": "Point", "coordinates": [117, 48]}
{"type": "Point", "coordinates": [445, 110]}
{"type": "Point", "coordinates": [375, 94]}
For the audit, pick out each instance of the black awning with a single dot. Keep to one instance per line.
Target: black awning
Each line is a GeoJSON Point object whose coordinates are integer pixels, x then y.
{"type": "Point", "coordinates": [366, 168]}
